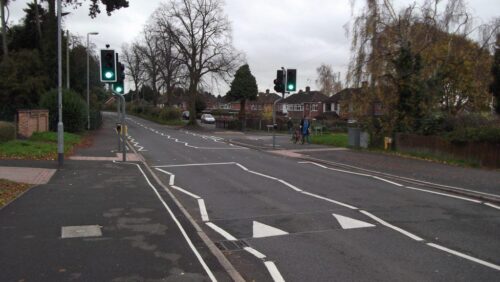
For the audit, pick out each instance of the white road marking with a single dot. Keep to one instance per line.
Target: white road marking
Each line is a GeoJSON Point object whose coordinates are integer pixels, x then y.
{"type": "Point", "coordinates": [185, 192]}
{"type": "Point", "coordinates": [412, 188]}
{"type": "Point", "coordinates": [263, 175]}
{"type": "Point", "coordinates": [221, 231]}
{"type": "Point", "coordinates": [171, 178]}
{"type": "Point", "coordinates": [273, 270]}
{"type": "Point", "coordinates": [493, 206]}
{"type": "Point", "coordinates": [329, 200]}
{"type": "Point", "coordinates": [476, 260]}
{"type": "Point", "coordinates": [443, 194]}
{"type": "Point", "coordinates": [388, 181]}
{"type": "Point", "coordinates": [290, 185]}
{"type": "Point", "coordinates": [351, 223]}
{"type": "Point", "coordinates": [203, 210]}
{"type": "Point", "coordinates": [404, 232]}
{"type": "Point", "coordinates": [194, 164]}
{"type": "Point", "coordinates": [255, 252]}
{"type": "Point", "coordinates": [261, 230]}
{"type": "Point", "coordinates": [184, 234]}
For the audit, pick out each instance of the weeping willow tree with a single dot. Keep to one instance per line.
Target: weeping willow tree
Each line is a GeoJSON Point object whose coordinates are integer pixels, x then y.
{"type": "Point", "coordinates": [405, 56]}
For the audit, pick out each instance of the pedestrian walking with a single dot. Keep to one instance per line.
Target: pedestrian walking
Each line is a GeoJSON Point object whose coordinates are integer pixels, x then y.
{"type": "Point", "coordinates": [305, 124]}
{"type": "Point", "coordinates": [289, 124]}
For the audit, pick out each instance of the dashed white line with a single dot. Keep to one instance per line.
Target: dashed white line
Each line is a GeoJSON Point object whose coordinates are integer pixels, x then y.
{"type": "Point", "coordinates": [255, 252]}
{"type": "Point", "coordinates": [329, 200]}
{"type": "Point", "coordinates": [404, 232]}
{"type": "Point", "coordinates": [221, 231]}
{"type": "Point", "coordinates": [203, 210]}
{"type": "Point", "coordinates": [273, 270]}
{"type": "Point", "coordinates": [195, 164]}
{"type": "Point", "coordinates": [459, 254]}
{"type": "Point", "coordinates": [185, 192]}
{"type": "Point", "coordinates": [493, 206]}
{"type": "Point", "coordinates": [443, 194]}
{"type": "Point", "coordinates": [388, 181]}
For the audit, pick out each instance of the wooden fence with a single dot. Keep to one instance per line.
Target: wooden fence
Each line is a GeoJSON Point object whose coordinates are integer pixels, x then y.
{"type": "Point", "coordinates": [487, 154]}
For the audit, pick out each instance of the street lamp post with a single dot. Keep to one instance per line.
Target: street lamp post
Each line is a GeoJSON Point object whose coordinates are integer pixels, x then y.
{"type": "Point", "coordinates": [60, 126]}
{"type": "Point", "coordinates": [88, 80]}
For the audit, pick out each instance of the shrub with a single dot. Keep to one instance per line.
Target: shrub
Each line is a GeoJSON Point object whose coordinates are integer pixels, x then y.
{"type": "Point", "coordinates": [170, 114]}
{"type": "Point", "coordinates": [74, 110]}
{"type": "Point", "coordinates": [481, 134]}
{"type": "Point", "coordinates": [7, 131]}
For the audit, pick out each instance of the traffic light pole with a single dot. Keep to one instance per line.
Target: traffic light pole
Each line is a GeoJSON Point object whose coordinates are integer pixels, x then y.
{"type": "Point", "coordinates": [122, 134]}
{"type": "Point", "coordinates": [274, 108]}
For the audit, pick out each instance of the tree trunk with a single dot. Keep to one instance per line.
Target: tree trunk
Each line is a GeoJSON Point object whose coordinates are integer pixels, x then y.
{"type": "Point", "coordinates": [193, 85]}
{"type": "Point", "coordinates": [38, 26]}
{"type": "Point", "coordinates": [4, 30]}
{"type": "Point", "coordinates": [243, 117]}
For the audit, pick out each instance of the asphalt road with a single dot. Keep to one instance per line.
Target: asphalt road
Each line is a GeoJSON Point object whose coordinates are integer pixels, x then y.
{"type": "Point", "coordinates": [276, 218]}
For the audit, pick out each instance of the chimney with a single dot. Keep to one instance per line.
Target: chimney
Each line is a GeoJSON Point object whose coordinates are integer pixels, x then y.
{"type": "Point", "coordinates": [267, 91]}
{"type": "Point", "coordinates": [308, 89]}
{"type": "Point", "coordinates": [364, 84]}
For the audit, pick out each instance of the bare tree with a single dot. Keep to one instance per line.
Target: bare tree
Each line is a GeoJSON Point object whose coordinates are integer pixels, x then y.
{"type": "Point", "coordinates": [150, 57]}
{"type": "Point", "coordinates": [172, 73]}
{"type": "Point", "coordinates": [201, 34]}
{"type": "Point", "coordinates": [133, 65]}
{"type": "Point", "coordinates": [328, 81]}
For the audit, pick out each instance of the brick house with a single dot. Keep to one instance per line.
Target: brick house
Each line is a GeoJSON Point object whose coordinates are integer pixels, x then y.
{"type": "Point", "coordinates": [263, 103]}
{"type": "Point", "coordinates": [305, 103]}
{"type": "Point", "coordinates": [346, 102]}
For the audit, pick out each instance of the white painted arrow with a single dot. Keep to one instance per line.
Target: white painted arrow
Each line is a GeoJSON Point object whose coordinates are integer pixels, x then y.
{"type": "Point", "coordinates": [261, 230]}
{"type": "Point", "coordinates": [351, 223]}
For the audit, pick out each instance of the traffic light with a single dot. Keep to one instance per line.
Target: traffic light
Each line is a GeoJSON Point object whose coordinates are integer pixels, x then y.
{"type": "Point", "coordinates": [278, 82]}
{"type": "Point", "coordinates": [291, 80]}
{"type": "Point", "coordinates": [108, 66]}
{"type": "Point", "coordinates": [119, 85]}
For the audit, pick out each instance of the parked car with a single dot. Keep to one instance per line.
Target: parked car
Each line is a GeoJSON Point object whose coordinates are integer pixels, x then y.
{"type": "Point", "coordinates": [185, 115]}
{"type": "Point", "coordinates": [207, 118]}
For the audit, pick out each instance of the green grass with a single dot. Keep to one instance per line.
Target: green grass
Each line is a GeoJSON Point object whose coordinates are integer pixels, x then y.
{"type": "Point", "coordinates": [41, 146]}
{"type": "Point", "coordinates": [177, 122]}
{"type": "Point", "coordinates": [330, 139]}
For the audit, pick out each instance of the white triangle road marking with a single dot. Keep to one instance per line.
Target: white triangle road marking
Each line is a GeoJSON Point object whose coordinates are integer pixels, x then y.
{"type": "Point", "coordinates": [351, 223]}
{"type": "Point", "coordinates": [261, 230]}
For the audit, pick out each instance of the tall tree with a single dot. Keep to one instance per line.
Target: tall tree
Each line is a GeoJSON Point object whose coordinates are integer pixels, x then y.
{"type": "Point", "coordinates": [201, 34]}
{"type": "Point", "coordinates": [134, 68]}
{"type": "Point", "coordinates": [243, 88]}
{"type": "Point", "coordinates": [150, 57]}
{"type": "Point", "coordinates": [495, 71]}
{"type": "Point", "coordinates": [329, 83]}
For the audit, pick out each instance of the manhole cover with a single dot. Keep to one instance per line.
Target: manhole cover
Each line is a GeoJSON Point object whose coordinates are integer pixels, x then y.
{"type": "Point", "coordinates": [231, 245]}
{"type": "Point", "coordinates": [81, 231]}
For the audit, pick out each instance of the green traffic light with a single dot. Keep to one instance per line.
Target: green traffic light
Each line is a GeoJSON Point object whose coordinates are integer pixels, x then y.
{"type": "Point", "coordinates": [108, 74]}
{"type": "Point", "coordinates": [119, 89]}
{"type": "Point", "coordinates": [290, 86]}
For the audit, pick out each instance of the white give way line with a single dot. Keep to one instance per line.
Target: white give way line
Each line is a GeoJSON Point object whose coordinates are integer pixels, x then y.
{"type": "Point", "coordinates": [205, 137]}
{"type": "Point", "coordinates": [379, 220]}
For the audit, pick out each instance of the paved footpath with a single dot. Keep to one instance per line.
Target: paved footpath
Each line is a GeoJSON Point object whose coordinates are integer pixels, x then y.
{"type": "Point", "coordinates": [100, 221]}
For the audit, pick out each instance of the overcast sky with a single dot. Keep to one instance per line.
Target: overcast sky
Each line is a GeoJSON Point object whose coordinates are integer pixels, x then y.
{"type": "Point", "coordinates": [299, 34]}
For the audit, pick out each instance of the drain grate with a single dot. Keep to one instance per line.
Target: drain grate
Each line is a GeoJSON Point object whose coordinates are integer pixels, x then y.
{"type": "Point", "coordinates": [231, 245]}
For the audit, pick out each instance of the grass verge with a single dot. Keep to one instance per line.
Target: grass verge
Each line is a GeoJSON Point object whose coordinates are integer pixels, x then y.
{"type": "Point", "coordinates": [40, 146]}
{"type": "Point", "coordinates": [9, 190]}
{"type": "Point", "coordinates": [177, 122]}
{"type": "Point", "coordinates": [330, 139]}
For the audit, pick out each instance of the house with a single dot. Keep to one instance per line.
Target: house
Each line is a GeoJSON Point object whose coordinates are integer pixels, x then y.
{"type": "Point", "coordinates": [263, 103]}
{"type": "Point", "coordinates": [305, 103]}
{"type": "Point", "coordinates": [347, 102]}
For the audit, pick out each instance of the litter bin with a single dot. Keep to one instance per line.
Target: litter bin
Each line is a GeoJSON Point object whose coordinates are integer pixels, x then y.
{"type": "Point", "coordinates": [353, 137]}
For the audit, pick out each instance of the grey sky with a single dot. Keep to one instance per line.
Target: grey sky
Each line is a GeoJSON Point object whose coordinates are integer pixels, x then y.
{"type": "Point", "coordinates": [299, 34]}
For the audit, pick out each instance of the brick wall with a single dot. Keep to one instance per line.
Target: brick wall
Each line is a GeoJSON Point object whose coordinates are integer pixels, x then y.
{"type": "Point", "coordinates": [29, 121]}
